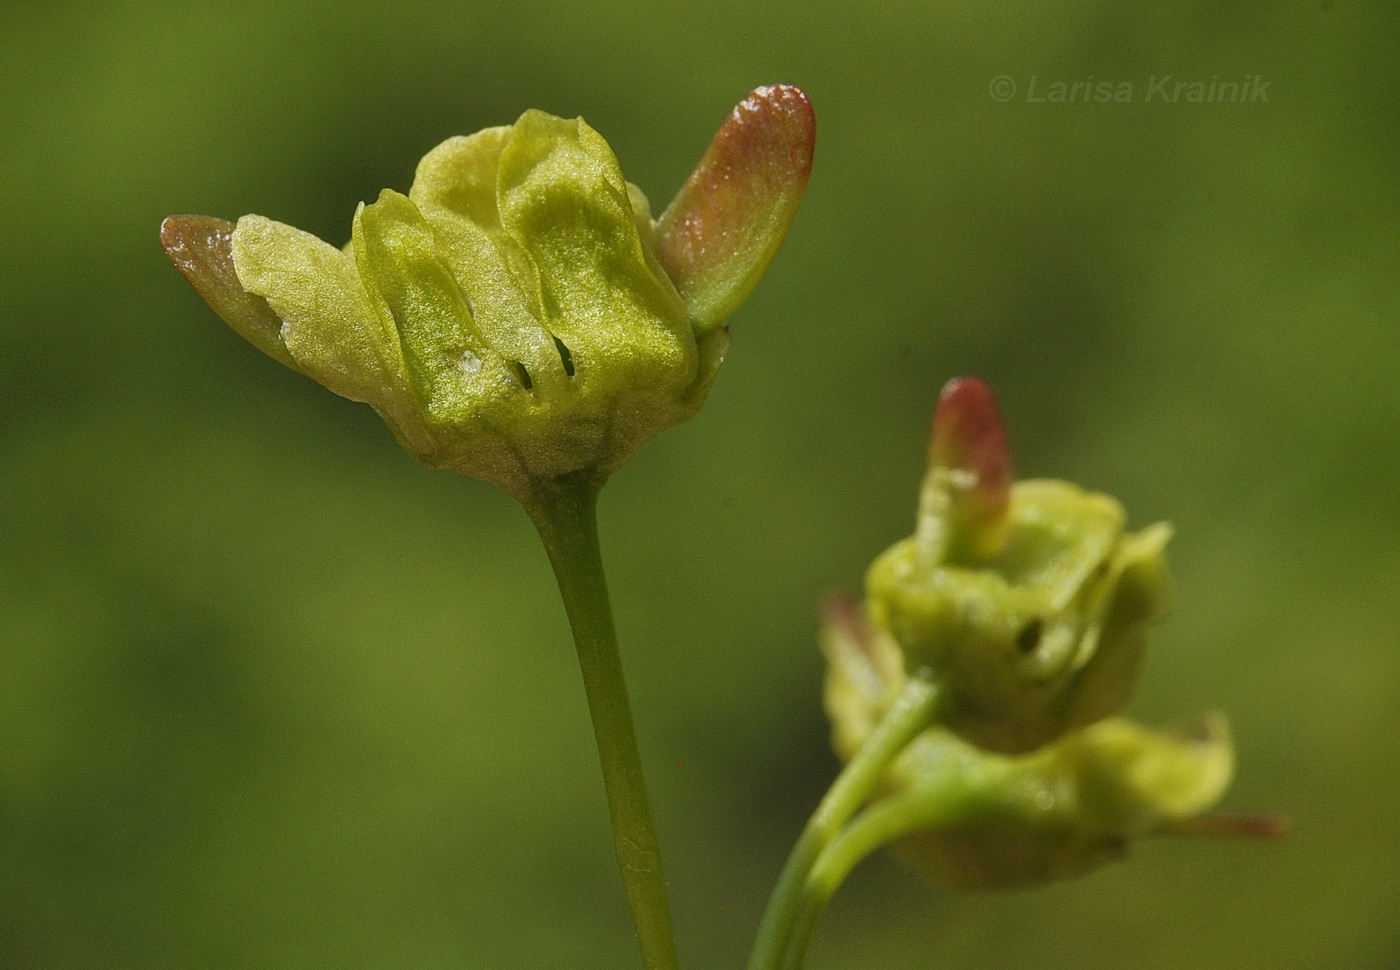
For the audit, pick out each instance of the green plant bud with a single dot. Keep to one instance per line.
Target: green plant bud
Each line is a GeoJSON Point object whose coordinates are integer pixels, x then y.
{"type": "Point", "coordinates": [510, 318]}
{"type": "Point", "coordinates": [1047, 635]}
{"type": "Point", "coordinates": [1029, 605]}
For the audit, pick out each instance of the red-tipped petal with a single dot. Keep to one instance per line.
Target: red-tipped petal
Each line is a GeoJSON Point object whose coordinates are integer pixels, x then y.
{"type": "Point", "coordinates": [200, 248]}
{"type": "Point", "coordinates": [720, 232]}
{"type": "Point", "coordinates": [968, 443]}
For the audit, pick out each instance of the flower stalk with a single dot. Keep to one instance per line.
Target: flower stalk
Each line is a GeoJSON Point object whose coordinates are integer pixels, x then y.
{"type": "Point", "coordinates": [912, 712]}
{"type": "Point", "coordinates": [566, 516]}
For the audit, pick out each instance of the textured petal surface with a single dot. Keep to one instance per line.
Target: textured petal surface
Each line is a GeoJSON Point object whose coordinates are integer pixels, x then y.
{"type": "Point", "coordinates": [455, 189]}
{"type": "Point", "coordinates": [447, 362]}
{"type": "Point", "coordinates": [329, 328]}
{"type": "Point", "coordinates": [622, 330]}
{"type": "Point", "coordinates": [563, 198]}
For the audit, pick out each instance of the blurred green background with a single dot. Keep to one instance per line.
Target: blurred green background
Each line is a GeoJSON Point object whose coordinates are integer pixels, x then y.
{"type": "Point", "coordinates": [272, 696]}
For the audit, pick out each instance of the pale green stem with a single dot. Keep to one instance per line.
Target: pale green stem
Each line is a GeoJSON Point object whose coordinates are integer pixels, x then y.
{"type": "Point", "coordinates": [913, 711]}
{"type": "Point", "coordinates": [566, 516]}
{"type": "Point", "coordinates": [921, 810]}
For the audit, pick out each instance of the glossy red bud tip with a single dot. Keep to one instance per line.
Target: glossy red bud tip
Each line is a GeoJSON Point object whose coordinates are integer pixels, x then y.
{"type": "Point", "coordinates": [971, 465]}
{"type": "Point", "coordinates": [726, 223]}
{"type": "Point", "coordinates": [968, 435]}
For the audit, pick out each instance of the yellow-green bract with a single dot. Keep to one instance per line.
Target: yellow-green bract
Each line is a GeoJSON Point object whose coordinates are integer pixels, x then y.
{"type": "Point", "coordinates": [519, 316]}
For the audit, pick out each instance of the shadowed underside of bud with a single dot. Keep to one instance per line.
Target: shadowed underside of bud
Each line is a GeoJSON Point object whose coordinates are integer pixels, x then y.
{"type": "Point", "coordinates": [1063, 811]}
{"type": "Point", "coordinates": [518, 316]}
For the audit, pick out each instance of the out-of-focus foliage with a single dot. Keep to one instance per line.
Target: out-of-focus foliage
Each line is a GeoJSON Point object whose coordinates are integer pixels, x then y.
{"type": "Point", "coordinates": [272, 696]}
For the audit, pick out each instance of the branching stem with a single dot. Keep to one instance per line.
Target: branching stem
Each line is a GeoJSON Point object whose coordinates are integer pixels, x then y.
{"type": "Point", "coordinates": [911, 713]}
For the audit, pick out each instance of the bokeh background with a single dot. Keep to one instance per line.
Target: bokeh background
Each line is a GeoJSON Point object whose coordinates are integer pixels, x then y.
{"type": "Point", "coordinates": [272, 696]}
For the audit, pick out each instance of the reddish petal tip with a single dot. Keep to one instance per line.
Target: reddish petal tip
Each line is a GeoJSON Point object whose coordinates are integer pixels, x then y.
{"type": "Point", "coordinates": [775, 123]}
{"type": "Point", "coordinates": [201, 247]}
{"type": "Point", "coordinates": [968, 435]}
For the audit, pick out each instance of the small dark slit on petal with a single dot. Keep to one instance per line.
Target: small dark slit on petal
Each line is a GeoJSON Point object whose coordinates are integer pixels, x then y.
{"type": "Point", "coordinates": [1028, 638]}
{"type": "Point", "coordinates": [565, 356]}
{"type": "Point", "coordinates": [522, 374]}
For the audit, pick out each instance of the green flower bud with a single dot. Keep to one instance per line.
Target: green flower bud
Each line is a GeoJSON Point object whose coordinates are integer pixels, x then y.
{"type": "Point", "coordinates": [1030, 612]}
{"type": "Point", "coordinates": [519, 316]}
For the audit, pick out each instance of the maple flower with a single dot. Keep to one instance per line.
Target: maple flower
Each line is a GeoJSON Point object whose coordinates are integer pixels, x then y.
{"type": "Point", "coordinates": [519, 316]}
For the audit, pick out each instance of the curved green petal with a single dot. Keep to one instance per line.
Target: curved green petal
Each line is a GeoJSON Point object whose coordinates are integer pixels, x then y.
{"type": "Point", "coordinates": [1131, 594]}
{"type": "Point", "coordinates": [564, 200]}
{"type": "Point", "coordinates": [459, 176]}
{"type": "Point", "coordinates": [329, 328]}
{"type": "Point", "coordinates": [448, 364]}
{"type": "Point", "coordinates": [1135, 780]}
{"type": "Point", "coordinates": [455, 189]}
